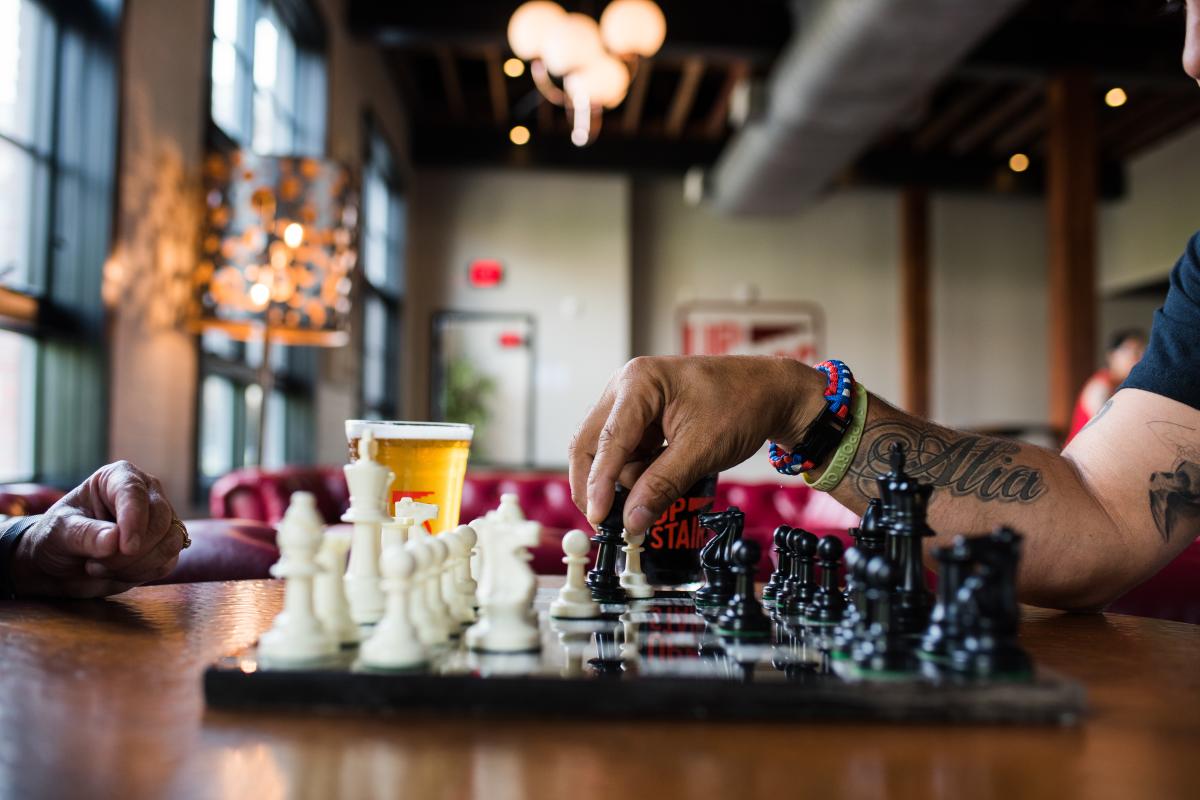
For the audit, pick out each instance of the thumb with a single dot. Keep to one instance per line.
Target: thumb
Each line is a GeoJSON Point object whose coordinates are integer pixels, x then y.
{"type": "Point", "coordinates": [663, 482]}
{"type": "Point", "coordinates": [83, 537]}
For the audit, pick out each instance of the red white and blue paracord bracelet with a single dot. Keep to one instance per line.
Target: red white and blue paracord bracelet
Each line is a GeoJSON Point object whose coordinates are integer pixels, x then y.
{"type": "Point", "coordinates": [839, 392]}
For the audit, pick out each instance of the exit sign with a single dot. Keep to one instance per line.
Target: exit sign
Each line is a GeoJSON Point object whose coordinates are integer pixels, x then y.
{"type": "Point", "coordinates": [485, 273]}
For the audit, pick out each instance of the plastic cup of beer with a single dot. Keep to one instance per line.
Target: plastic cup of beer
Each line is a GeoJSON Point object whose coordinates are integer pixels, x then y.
{"type": "Point", "coordinates": [429, 460]}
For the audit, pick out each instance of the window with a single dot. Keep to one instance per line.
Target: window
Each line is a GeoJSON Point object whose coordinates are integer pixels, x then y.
{"type": "Point", "coordinates": [383, 285]}
{"type": "Point", "coordinates": [57, 80]}
{"type": "Point", "coordinates": [268, 95]}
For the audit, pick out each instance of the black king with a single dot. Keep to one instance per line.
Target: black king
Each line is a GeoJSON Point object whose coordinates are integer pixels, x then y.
{"type": "Point", "coordinates": [907, 501]}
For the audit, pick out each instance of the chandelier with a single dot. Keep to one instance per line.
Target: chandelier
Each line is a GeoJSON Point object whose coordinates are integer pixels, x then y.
{"type": "Point", "coordinates": [581, 65]}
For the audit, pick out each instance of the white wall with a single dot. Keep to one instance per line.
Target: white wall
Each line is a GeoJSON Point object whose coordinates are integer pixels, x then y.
{"type": "Point", "coordinates": [564, 241]}
{"type": "Point", "coordinates": [1143, 235]}
{"type": "Point", "coordinates": [989, 311]}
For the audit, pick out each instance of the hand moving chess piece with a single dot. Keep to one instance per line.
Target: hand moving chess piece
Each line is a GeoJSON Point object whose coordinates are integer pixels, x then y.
{"type": "Point", "coordinates": [633, 580]}
{"type": "Point", "coordinates": [602, 578]}
{"type": "Point", "coordinates": [368, 481]}
{"type": "Point", "coordinates": [574, 600]}
{"type": "Point", "coordinates": [507, 584]}
{"type": "Point", "coordinates": [332, 607]}
{"type": "Point", "coordinates": [297, 635]}
{"type": "Point", "coordinates": [394, 643]}
{"type": "Point", "coordinates": [743, 617]}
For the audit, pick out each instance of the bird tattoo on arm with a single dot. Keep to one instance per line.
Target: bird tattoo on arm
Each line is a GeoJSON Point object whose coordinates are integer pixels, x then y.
{"type": "Point", "coordinates": [1175, 493]}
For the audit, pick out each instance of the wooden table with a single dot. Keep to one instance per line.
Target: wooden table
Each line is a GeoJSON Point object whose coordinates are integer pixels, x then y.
{"type": "Point", "coordinates": [103, 699]}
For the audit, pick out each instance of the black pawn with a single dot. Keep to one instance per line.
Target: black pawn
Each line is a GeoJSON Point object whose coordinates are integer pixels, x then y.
{"type": "Point", "coordinates": [779, 576]}
{"type": "Point", "coordinates": [743, 617]}
{"type": "Point", "coordinates": [800, 587]}
{"type": "Point", "coordinates": [602, 579]}
{"type": "Point", "coordinates": [870, 539]}
{"type": "Point", "coordinates": [882, 649]}
{"type": "Point", "coordinates": [828, 603]}
{"type": "Point", "coordinates": [945, 623]}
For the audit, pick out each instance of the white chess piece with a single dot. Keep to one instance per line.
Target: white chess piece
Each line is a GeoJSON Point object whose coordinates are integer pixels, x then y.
{"type": "Point", "coordinates": [368, 481]}
{"type": "Point", "coordinates": [434, 604]}
{"type": "Point", "coordinates": [506, 587]}
{"type": "Point", "coordinates": [430, 629]}
{"type": "Point", "coordinates": [447, 583]}
{"type": "Point", "coordinates": [396, 531]}
{"type": "Point", "coordinates": [510, 509]}
{"type": "Point", "coordinates": [574, 600]}
{"type": "Point", "coordinates": [394, 643]}
{"type": "Point", "coordinates": [459, 584]}
{"type": "Point", "coordinates": [633, 581]}
{"type": "Point", "coordinates": [419, 513]}
{"type": "Point", "coordinates": [332, 607]}
{"type": "Point", "coordinates": [297, 635]}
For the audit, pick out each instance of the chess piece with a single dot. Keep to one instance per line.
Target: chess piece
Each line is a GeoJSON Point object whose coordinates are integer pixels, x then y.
{"type": "Point", "coordinates": [632, 579]}
{"type": "Point", "coordinates": [800, 587]}
{"type": "Point", "coordinates": [394, 644]}
{"type": "Point", "coordinates": [417, 514]}
{"type": "Point", "coordinates": [506, 586]}
{"type": "Point", "coordinates": [828, 603]}
{"type": "Point", "coordinates": [395, 531]}
{"type": "Point", "coordinates": [464, 581]}
{"type": "Point", "coordinates": [574, 600]}
{"type": "Point", "coordinates": [462, 609]}
{"type": "Point", "coordinates": [988, 610]}
{"type": "Point", "coordinates": [743, 617]}
{"type": "Point", "coordinates": [715, 557]}
{"type": "Point", "coordinates": [882, 648]}
{"type": "Point", "coordinates": [602, 578]}
{"type": "Point", "coordinates": [368, 481]}
{"type": "Point", "coordinates": [871, 539]}
{"type": "Point", "coordinates": [945, 622]}
{"type": "Point", "coordinates": [771, 590]}
{"type": "Point", "coordinates": [909, 501]}
{"type": "Point", "coordinates": [297, 635]}
{"type": "Point", "coordinates": [331, 605]}
{"type": "Point", "coordinates": [853, 596]}
{"type": "Point", "coordinates": [430, 628]}
{"type": "Point", "coordinates": [432, 582]}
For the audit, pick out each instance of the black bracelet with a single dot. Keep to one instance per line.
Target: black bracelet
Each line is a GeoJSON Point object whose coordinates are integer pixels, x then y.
{"type": "Point", "coordinates": [9, 540]}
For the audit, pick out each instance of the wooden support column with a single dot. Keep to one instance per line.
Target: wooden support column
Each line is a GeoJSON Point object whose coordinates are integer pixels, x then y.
{"type": "Point", "coordinates": [1071, 166]}
{"type": "Point", "coordinates": [914, 300]}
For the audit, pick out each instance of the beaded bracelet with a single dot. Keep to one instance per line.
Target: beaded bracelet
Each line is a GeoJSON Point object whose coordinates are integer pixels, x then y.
{"type": "Point", "coordinates": [832, 423]}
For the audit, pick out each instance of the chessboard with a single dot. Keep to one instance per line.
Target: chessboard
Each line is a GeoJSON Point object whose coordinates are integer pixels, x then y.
{"type": "Point", "coordinates": [654, 658]}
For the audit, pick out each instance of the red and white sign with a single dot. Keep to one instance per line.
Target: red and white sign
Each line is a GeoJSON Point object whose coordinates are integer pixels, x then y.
{"type": "Point", "coordinates": [776, 329]}
{"type": "Point", "coordinates": [485, 273]}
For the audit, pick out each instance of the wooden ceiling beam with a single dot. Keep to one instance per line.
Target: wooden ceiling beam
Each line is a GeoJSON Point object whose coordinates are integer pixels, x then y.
{"type": "Point", "coordinates": [451, 83]}
{"type": "Point", "coordinates": [685, 97]}
{"type": "Point", "coordinates": [718, 117]}
{"type": "Point", "coordinates": [1020, 134]}
{"type": "Point", "coordinates": [497, 91]}
{"type": "Point", "coordinates": [962, 107]}
{"type": "Point", "coordinates": [635, 101]}
{"type": "Point", "coordinates": [986, 124]}
{"type": "Point", "coordinates": [1125, 122]}
{"type": "Point", "coordinates": [1158, 128]}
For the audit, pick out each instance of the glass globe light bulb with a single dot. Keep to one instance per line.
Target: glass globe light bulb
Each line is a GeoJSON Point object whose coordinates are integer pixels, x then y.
{"type": "Point", "coordinates": [529, 25]}
{"type": "Point", "coordinates": [633, 27]}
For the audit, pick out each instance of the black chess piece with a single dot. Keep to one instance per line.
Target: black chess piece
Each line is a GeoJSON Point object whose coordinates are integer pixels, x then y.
{"type": "Point", "coordinates": [800, 586]}
{"type": "Point", "coordinates": [828, 603]}
{"type": "Point", "coordinates": [771, 590]}
{"type": "Point", "coordinates": [715, 557]}
{"type": "Point", "coordinates": [608, 660]}
{"type": "Point", "coordinates": [988, 611]}
{"type": "Point", "coordinates": [855, 614]}
{"type": "Point", "coordinates": [909, 503]}
{"type": "Point", "coordinates": [743, 617]}
{"type": "Point", "coordinates": [871, 537]}
{"type": "Point", "coordinates": [945, 623]}
{"type": "Point", "coordinates": [602, 579]}
{"type": "Point", "coordinates": [882, 648]}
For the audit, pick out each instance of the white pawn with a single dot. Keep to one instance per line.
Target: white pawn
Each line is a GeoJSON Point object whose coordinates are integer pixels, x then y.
{"type": "Point", "coordinates": [396, 532]}
{"type": "Point", "coordinates": [419, 513]}
{"type": "Point", "coordinates": [297, 635]}
{"type": "Point", "coordinates": [394, 643]}
{"type": "Point", "coordinates": [368, 481]}
{"type": "Point", "coordinates": [448, 579]}
{"type": "Point", "coordinates": [510, 509]}
{"type": "Point", "coordinates": [429, 628]}
{"type": "Point", "coordinates": [464, 583]}
{"type": "Point", "coordinates": [433, 587]}
{"type": "Point", "coordinates": [574, 600]}
{"type": "Point", "coordinates": [332, 607]}
{"type": "Point", "coordinates": [633, 581]}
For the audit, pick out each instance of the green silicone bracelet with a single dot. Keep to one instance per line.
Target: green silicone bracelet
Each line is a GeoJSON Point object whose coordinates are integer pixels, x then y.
{"type": "Point", "coordinates": [839, 465]}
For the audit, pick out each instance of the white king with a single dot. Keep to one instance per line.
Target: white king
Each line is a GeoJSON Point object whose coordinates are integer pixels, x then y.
{"type": "Point", "coordinates": [368, 481]}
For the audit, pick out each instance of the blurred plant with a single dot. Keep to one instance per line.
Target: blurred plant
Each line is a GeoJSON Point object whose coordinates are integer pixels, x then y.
{"type": "Point", "coordinates": [466, 394]}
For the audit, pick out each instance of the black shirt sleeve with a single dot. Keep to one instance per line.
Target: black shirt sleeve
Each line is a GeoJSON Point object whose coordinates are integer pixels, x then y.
{"type": "Point", "coordinates": [11, 532]}
{"type": "Point", "coordinates": [1171, 366]}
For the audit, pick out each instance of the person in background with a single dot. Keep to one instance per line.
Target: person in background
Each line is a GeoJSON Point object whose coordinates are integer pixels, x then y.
{"type": "Point", "coordinates": [115, 530]}
{"type": "Point", "coordinates": [1125, 350]}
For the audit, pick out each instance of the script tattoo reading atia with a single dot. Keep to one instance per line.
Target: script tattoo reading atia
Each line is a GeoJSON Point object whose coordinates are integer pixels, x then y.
{"type": "Point", "coordinates": [975, 466]}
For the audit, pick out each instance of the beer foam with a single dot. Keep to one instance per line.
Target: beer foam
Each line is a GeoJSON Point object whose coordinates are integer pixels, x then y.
{"type": "Point", "coordinates": [427, 431]}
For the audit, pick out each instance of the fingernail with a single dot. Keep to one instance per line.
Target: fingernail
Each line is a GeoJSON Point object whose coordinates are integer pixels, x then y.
{"type": "Point", "coordinates": [105, 540]}
{"type": "Point", "coordinates": [639, 520]}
